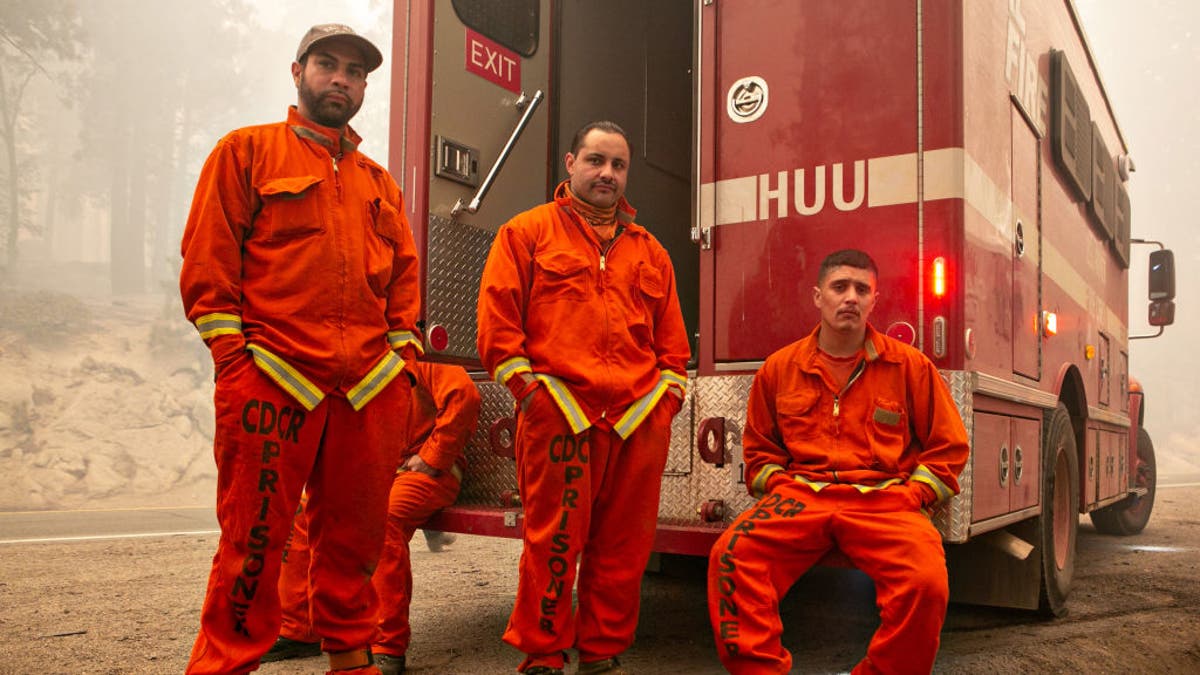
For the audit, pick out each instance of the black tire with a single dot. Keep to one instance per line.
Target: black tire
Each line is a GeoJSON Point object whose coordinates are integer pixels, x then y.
{"type": "Point", "coordinates": [1130, 515]}
{"type": "Point", "coordinates": [1058, 523]}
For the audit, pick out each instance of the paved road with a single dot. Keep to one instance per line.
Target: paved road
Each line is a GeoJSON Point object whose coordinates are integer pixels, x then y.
{"type": "Point", "coordinates": [55, 526]}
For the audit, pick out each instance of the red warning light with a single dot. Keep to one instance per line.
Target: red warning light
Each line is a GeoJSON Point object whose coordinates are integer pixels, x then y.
{"type": "Point", "coordinates": [939, 276]}
{"type": "Point", "coordinates": [439, 338]}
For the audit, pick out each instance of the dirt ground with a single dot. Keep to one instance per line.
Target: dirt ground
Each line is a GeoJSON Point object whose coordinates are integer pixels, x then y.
{"type": "Point", "coordinates": [132, 606]}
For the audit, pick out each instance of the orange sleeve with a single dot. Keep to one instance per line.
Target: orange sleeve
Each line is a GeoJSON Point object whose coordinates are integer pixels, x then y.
{"type": "Point", "coordinates": [503, 297]}
{"type": "Point", "coordinates": [939, 428]}
{"type": "Point", "coordinates": [404, 296]}
{"type": "Point", "coordinates": [763, 448]}
{"type": "Point", "coordinates": [671, 345]}
{"type": "Point", "coordinates": [457, 401]}
{"type": "Point", "coordinates": [210, 279]}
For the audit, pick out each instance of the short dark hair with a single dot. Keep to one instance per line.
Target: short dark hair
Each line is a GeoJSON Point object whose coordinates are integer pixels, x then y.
{"type": "Point", "coordinates": [847, 257]}
{"type": "Point", "coordinates": [600, 125]}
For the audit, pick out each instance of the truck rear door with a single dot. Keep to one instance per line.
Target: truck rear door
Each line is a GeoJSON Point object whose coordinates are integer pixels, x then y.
{"type": "Point", "coordinates": [809, 139]}
{"type": "Point", "coordinates": [465, 74]}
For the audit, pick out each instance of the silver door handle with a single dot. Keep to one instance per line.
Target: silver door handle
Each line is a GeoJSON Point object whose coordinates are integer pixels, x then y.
{"type": "Point", "coordinates": [475, 202]}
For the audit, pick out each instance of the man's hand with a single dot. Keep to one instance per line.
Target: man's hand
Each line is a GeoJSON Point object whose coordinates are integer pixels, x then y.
{"type": "Point", "coordinates": [415, 463]}
{"type": "Point", "coordinates": [527, 384]}
{"type": "Point", "coordinates": [925, 495]}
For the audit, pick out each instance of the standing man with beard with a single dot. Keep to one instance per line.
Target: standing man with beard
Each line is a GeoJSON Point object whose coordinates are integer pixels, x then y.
{"type": "Point", "coordinates": [300, 274]}
{"type": "Point", "coordinates": [579, 318]}
{"type": "Point", "coordinates": [850, 438]}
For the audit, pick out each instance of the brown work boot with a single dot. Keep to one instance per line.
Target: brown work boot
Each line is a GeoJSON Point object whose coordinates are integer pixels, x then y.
{"type": "Point", "coordinates": [287, 648]}
{"type": "Point", "coordinates": [438, 541]}
{"type": "Point", "coordinates": [543, 670]}
{"type": "Point", "coordinates": [607, 667]}
{"type": "Point", "coordinates": [390, 664]}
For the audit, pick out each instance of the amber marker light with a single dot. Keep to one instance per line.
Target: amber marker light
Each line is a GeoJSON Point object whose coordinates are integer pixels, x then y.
{"type": "Point", "coordinates": [939, 276]}
{"type": "Point", "coordinates": [1049, 323]}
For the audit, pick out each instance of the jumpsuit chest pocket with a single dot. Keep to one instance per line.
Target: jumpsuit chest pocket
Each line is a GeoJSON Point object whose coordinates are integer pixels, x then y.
{"type": "Point", "coordinates": [796, 413]}
{"type": "Point", "coordinates": [560, 275]}
{"type": "Point", "coordinates": [379, 247]}
{"type": "Point", "coordinates": [651, 284]}
{"type": "Point", "coordinates": [888, 428]}
{"type": "Point", "coordinates": [290, 208]}
{"type": "Point", "coordinates": [648, 290]}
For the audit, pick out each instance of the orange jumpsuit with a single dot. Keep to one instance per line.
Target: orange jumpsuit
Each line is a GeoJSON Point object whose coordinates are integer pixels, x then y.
{"type": "Point", "coordinates": [604, 337]}
{"type": "Point", "coordinates": [299, 272]}
{"type": "Point", "coordinates": [442, 417]}
{"type": "Point", "coordinates": [851, 467]}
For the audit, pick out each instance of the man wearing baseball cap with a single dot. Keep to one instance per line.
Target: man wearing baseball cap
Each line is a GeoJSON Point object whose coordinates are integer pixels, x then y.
{"type": "Point", "coordinates": [300, 274]}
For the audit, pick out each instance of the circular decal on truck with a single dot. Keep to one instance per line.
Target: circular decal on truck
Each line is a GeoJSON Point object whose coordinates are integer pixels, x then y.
{"type": "Point", "coordinates": [747, 99]}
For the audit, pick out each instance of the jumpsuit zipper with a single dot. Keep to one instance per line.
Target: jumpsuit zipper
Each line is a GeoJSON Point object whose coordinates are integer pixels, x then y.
{"type": "Point", "coordinates": [604, 250]}
{"type": "Point", "coordinates": [837, 398]}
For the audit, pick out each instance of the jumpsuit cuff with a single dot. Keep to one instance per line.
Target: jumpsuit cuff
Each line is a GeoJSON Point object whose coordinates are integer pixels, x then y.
{"type": "Point", "coordinates": [758, 487]}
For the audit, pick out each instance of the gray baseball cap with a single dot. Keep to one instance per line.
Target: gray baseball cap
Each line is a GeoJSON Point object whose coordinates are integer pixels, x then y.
{"type": "Point", "coordinates": [329, 31]}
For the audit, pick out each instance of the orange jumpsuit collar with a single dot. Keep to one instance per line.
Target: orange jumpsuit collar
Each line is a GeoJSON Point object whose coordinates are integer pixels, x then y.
{"type": "Point", "coordinates": [328, 137]}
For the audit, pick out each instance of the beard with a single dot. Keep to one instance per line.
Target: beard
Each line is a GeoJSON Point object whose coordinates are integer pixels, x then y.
{"type": "Point", "coordinates": [325, 111]}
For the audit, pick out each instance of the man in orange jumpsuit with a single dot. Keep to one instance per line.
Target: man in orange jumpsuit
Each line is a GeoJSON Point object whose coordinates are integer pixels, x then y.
{"type": "Point", "coordinates": [579, 318]}
{"type": "Point", "coordinates": [299, 272]}
{"type": "Point", "coordinates": [441, 419]}
{"type": "Point", "coordinates": [850, 437]}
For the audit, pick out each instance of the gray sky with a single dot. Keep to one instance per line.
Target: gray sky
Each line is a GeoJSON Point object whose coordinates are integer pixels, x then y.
{"type": "Point", "coordinates": [1148, 54]}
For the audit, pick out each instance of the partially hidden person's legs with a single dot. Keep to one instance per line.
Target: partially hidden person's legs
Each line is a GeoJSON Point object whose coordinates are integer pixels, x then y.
{"type": "Point", "coordinates": [413, 499]}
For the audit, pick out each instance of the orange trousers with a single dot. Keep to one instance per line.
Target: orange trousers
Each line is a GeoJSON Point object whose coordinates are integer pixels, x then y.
{"type": "Point", "coordinates": [767, 548]}
{"type": "Point", "coordinates": [590, 497]}
{"type": "Point", "coordinates": [414, 498]}
{"type": "Point", "coordinates": [267, 449]}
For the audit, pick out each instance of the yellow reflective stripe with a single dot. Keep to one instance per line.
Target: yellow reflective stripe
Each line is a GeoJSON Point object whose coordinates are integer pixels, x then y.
{"type": "Point", "coordinates": [211, 325]}
{"type": "Point", "coordinates": [287, 377]}
{"type": "Point", "coordinates": [676, 379]}
{"type": "Point", "coordinates": [510, 367]}
{"type": "Point", "coordinates": [868, 488]}
{"type": "Point", "coordinates": [379, 376]}
{"type": "Point", "coordinates": [924, 475]}
{"type": "Point", "coordinates": [816, 485]}
{"type": "Point", "coordinates": [759, 485]}
{"type": "Point", "coordinates": [637, 413]}
{"type": "Point", "coordinates": [398, 338]}
{"type": "Point", "coordinates": [566, 402]}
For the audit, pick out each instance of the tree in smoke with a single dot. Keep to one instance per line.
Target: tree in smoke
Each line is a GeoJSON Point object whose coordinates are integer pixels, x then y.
{"type": "Point", "coordinates": [37, 38]}
{"type": "Point", "coordinates": [157, 79]}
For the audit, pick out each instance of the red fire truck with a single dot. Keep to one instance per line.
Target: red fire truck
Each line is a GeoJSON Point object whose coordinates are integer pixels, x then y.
{"type": "Point", "coordinates": [969, 147]}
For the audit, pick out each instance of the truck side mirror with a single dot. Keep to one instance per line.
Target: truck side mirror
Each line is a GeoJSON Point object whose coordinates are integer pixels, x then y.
{"type": "Point", "coordinates": [1162, 277]}
{"type": "Point", "coordinates": [1162, 312]}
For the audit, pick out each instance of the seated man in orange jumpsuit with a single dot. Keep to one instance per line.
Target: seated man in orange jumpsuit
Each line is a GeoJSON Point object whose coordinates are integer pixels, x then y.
{"type": "Point", "coordinates": [579, 318]}
{"type": "Point", "coordinates": [850, 437]}
{"type": "Point", "coordinates": [442, 417]}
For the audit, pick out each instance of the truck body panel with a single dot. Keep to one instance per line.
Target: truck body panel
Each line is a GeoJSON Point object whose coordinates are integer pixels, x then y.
{"type": "Point", "coordinates": [969, 147]}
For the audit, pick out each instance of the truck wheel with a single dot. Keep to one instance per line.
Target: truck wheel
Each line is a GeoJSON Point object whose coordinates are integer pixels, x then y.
{"type": "Point", "coordinates": [1059, 521]}
{"type": "Point", "coordinates": [1130, 515]}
